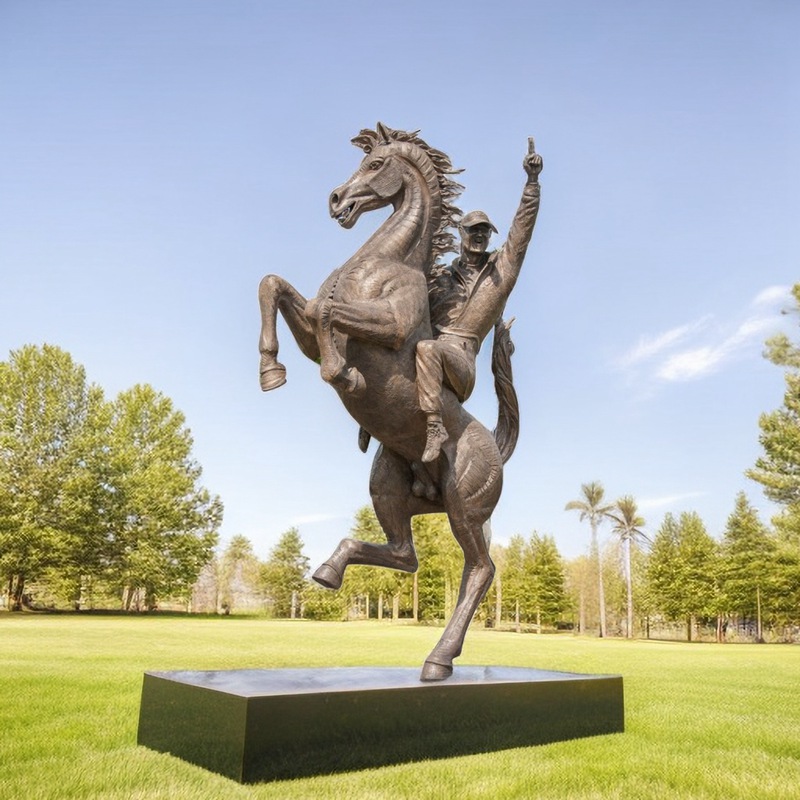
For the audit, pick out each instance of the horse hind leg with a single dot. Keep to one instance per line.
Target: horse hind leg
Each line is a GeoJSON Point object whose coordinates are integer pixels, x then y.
{"type": "Point", "coordinates": [475, 582]}
{"type": "Point", "coordinates": [390, 487]}
{"type": "Point", "coordinates": [276, 294]}
{"type": "Point", "coordinates": [468, 512]}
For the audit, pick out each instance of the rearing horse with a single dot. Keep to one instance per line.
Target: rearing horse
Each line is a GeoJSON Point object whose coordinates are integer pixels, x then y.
{"type": "Point", "coordinates": [363, 328]}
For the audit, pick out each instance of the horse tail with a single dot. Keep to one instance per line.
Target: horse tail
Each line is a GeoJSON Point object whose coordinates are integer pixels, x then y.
{"type": "Point", "coordinates": [507, 431]}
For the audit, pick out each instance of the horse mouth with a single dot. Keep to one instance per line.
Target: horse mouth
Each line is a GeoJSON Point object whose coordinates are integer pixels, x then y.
{"type": "Point", "coordinates": [345, 216]}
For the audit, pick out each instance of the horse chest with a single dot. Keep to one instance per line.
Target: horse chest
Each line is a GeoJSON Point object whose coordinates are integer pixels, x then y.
{"type": "Point", "coordinates": [359, 282]}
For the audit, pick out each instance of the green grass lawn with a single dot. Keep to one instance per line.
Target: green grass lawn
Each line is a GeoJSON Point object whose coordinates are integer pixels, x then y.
{"type": "Point", "coordinates": [702, 720]}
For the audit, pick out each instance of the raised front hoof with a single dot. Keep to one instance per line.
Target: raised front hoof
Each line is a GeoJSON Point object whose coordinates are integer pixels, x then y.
{"type": "Point", "coordinates": [272, 377]}
{"type": "Point", "coordinates": [435, 672]}
{"type": "Point", "coordinates": [328, 577]}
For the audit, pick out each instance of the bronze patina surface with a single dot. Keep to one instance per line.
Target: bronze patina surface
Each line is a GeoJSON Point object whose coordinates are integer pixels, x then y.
{"type": "Point", "coordinates": [396, 331]}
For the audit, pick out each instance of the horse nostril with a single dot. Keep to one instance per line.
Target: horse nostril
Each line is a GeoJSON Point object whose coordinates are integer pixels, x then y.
{"type": "Point", "coordinates": [334, 199]}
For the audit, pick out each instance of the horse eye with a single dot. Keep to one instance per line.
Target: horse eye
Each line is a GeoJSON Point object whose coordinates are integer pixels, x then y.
{"type": "Point", "coordinates": [377, 164]}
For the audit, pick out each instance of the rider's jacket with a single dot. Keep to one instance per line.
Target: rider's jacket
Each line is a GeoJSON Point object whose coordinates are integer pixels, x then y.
{"type": "Point", "coordinates": [466, 303]}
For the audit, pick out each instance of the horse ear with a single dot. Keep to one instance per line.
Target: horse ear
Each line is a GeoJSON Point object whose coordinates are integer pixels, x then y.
{"type": "Point", "coordinates": [383, 132]}
{"type": "Point", "coordinates": [365, 140]}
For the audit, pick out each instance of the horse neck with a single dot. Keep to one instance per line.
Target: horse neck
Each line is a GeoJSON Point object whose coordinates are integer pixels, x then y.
{"type": "Point", "coordinates": [407, 235]}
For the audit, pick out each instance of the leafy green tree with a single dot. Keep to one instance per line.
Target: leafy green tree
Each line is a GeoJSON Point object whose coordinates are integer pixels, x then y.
{"type": "Point", "coordinates": [165, 523]}
{"type": "Point", "coordinates": [778, 470]}
{"type": "Point", "coordinates": [513, 578]}
{"type": "Point", "coordinates": [698, 554]}
{"type": "Point", "coordinates": [45, 408]}
{"type": "Point", "coordinates": [780, 350]}
{"type": "Point", "coordinates": [627, 526]}
{"type": "Point", "coordinates": [591, 508]}
{"type": "Point", "coordinates": [664, 580]}
{"type": "Point", "coordinates": [494, 598]}
{"type": "Point", "coordinates": [239, 575]}
{"type": "Point", "coordinates": [372, 582]}
{"type": "Point", "coordinates": [748, 564]}
{"type": "Point", "coordinates": [683, 570]}
{"type": "Point", "coordinates": [323, 604]}
{"type": "Point", "coordinates": [284, 574]}
{"type": "Point", "coordinates": [440, 566]}
{"type": "Point", "coordinates": [546, 575]}
{"type": "Point", "coordinates": [580, 586]}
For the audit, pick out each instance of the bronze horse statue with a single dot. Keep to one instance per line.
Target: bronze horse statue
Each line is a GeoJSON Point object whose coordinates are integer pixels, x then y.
{"type": "Point", "coordinates": [363, 328]}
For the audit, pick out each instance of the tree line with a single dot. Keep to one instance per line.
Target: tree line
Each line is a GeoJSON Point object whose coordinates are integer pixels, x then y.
{"type": "Point", "coordinates": [101, 503]}
{"type": "Point", "coordinates": [738, 586]}
{"type": "Point", "coordinates": [741, 584]}
{"type": "Point", "coordinates": [100, 500]}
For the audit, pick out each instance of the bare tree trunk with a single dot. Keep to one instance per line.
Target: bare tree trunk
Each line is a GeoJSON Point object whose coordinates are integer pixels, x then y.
{"type": "Point", "coordinates": [538, 621]}
{"type": "Point", "coordinates": [396, 607]}
{"type": "Point", "coordinates": [16, 592]}
{"type": "Point", "coordinates": [498, 601]}
{"type": "Point", "coordinates": [380, 606]}
{"type": "Point", "coordinates": [582, 609]}
{"type": "Point", "coordinates": [759, 633]}
{"type": "Point", "coordinates": [516, 616]}
{"type": "Point", "coordinates": [629, 587]}
{"type": "Point", "coordinates": [415, 601]}
{"type": "Point", "coordinates": [601, 594]}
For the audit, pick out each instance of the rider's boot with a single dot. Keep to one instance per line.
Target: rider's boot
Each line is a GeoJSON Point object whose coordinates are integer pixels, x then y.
{"type": "Point", "coordinates": [436, 437]}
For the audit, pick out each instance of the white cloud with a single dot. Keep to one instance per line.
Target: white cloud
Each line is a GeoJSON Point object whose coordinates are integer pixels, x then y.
{"type": "Point", "coordinates": [691, 364]}
{"type": "Point", "coordinates": [773, 295]}
{"type": "Point", "coordinates": [672, 364]}
{"type": "Point", "coordinates": [648, 347]}
{"type": "Point", "coordinates": [753, 328]}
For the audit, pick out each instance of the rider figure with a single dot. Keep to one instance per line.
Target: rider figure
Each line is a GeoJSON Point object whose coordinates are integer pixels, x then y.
{"type": "Point", "coordinates": [466, 299]}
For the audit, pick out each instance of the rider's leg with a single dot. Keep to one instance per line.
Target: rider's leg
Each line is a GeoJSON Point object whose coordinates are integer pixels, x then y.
{"type": "Point", "coordinates": [440, 362]}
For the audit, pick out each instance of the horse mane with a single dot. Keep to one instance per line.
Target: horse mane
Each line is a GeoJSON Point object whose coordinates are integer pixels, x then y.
{"type": "Point", "coordinates": [443, 240]}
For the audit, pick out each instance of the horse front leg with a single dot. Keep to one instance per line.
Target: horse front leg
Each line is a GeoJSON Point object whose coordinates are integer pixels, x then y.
{"type": "Point", "coordinates": [276, 294]}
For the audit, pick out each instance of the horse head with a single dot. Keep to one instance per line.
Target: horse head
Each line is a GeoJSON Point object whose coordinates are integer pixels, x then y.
{"type": "Point", "coordinates": [397, 164]}
{"type": "Point", "coordinates": [378, 181]}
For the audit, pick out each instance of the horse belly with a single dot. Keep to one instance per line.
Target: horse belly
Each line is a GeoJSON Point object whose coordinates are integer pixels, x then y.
{"type": "Point", "coordinates": [388, 409]}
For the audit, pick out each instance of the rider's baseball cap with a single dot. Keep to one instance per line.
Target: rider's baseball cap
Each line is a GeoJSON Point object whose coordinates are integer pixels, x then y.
{"type": "Point", "coordinates": [474, 218]}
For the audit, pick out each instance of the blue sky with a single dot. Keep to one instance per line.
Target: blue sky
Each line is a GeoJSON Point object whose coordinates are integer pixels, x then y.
{"type": "Point", "coordinates": [158, 158]}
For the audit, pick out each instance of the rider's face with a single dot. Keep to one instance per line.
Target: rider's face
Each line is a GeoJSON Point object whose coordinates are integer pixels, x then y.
{"type": "Point", "coordinates": [475, 239]}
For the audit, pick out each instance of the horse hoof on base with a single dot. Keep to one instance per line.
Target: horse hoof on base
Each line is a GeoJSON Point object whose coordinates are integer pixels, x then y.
{"type": "Point", "coordinates": [328, 577]}
{"type": "Point", "coordinates": [272, 377]}
{"type": "Point", "coordinates": [435, 672]}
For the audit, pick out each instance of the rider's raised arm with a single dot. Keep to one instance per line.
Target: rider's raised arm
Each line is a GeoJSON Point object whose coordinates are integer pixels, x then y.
{"type": "Point", "coordinates": [511, 255]}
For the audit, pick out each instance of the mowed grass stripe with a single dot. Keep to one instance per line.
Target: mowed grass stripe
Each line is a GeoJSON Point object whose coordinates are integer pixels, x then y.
{"type": "Point", "coordinates": [703, 721]}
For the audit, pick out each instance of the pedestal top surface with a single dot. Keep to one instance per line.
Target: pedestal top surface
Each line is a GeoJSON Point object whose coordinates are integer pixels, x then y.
{"type": "Point", "coordinates": [265, 682]}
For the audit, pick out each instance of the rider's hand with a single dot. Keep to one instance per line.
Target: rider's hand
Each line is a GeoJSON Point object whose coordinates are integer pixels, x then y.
{"type": "Point", "coordinates": [532, 163]}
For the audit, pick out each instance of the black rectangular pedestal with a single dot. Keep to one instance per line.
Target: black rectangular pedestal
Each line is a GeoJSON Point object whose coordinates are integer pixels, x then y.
{"type": "Point", "coordinates": [254, 725]}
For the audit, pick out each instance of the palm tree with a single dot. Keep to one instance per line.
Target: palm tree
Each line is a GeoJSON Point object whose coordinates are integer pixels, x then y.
{"type": "Point", "coordinates": [627, 524]}
{"type": "Point", "coordinates": [591, 507]}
